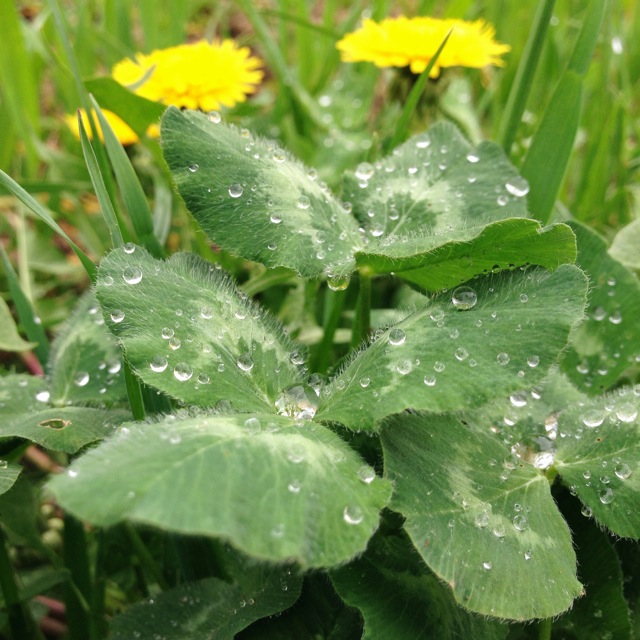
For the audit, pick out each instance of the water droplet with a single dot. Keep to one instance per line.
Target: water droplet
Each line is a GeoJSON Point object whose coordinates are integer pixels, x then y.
{"type": "Point", "coordinates": [518, 399]}
{"type": "Point", "coordinates": [174, 343]}
{"type": "Point", "coordinates": [503, 358]}
{"type": "Point", "coordinates": [107, 281]}
{"type": "Point", "coordinates": [203, 378]}
{"type": "Point", "coordinates": [182, 371]}
{"type": "Point", "coordinates": [403, 367]}
{"type": "Point", "coordinates": [193, 167]}
{"type": "Point", "coordinates": [353, 514]}
{"type": "Point", "coordinates": [129, 247]}
{"type": "Point", "coordinates": [117, 315]}
{"type": "Point", "coordinates": [520, 522]}
{"type": "Point", "coordinates": [294, 486]}
{"type": "Point", "coordinates": [367, 474]}
{"type": "Point", "coordinates": [276, 218]}
{"type": "Point", "coordinates": [279, 155]}
{"type": "Point", "coordinates": [533, 361]}
{"type": "Point", "coordinates": [528, 554]}
{"type": "Point", "coordinates": [473, 157]}
{"type": "Point", "coordinates": [235, 190]}
{"type": "Point", "coordinates": [481, 520]}
{"type": "Point", "coordinates": [299, 402]}
{"type": "Point", "coordinates": [461, 354]}
{"type": "Point", "coordinates": [487, 566]}
{"type": "Point", "coordinates": [626, 412]}
{"type": "Point", "coordinates": [296, 453]}
{"type": "Point", "coordinates": [430, 381]}
{"type": "Point", "coordinates": [214, 117]}
{"type": "Point", "coordinates": [517, 186]}
{"type": "Point", "coordinates": [338, 282]}
{"type": "Point", "coordinates": [304, 202]}
{"type": "Point", "coordinates": [464, 298]}
{"type": "Point", "coordinates": [502, 200]}
{"type": "Point", "coordinates": [438, 366]}
{"type": "Point", "coordinates": [524, 298]}
{"type": "Point", "coordinates": [43, 396]}
{"type": "Point", "coordinates": [158, 364]}
{"type": "Point", "coordinates": [364, 382]}
{"type": "Point", "coordinates": [436, 314]}
{"type": "Point", "coordinates": [277, 531]}
{"type": "Point", "coordinates": [297, 357]}
{"type": "Point", "coordinates": [82, 379]}
{"type": "Point", "coordinates": [593, 418]}
{"type": "Point", "coordinates": [245, 362]}
{"type": "Point", "coordinates": [397, 337]}
{"type": "Point", "coordinates": [206, 313]}
{"type": "Point", "coordinates": [364, 171]}
{"type": "Point", "coordinates": [499, 531]}
{"type": "Point", "coordinates": [587, 512]}
{"type": "Point", "coordinates": [622, 470]}
{"type": "Point", "coordinates": [606, 495]}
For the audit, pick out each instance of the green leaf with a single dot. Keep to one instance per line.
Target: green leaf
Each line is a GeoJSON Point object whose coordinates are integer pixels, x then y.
{"type": "Point", "coordinates": [319, 614]}
{"type": "Point", "coordinates": [210, 608]}
{"type": "Point", "coordinates": [603, 612]}
{"type": "Point", "coordinates": [8, 475]}
{"type": "Point", "coordinates": [550, 150]}
{"type": "Point", "coordinates": [599, 458]}
{"type": "Point", "coordinates": [10, 339]}
{"type": "Point", "coordinates": [273, 489]}
{"type": "Point", "coordinates": [254, 199]}
{"type": "Point", "coordinates": [136, 111]}
{"type": "Point", "coordinates": [400, 598]}
{"type": "Point", "coordinates": [442, 358]}
{"type": "Point", "coordinates": [85, 366]}
{"type": "Point", "coordinates": [624, 247]}
{"type": "Point", "coordinates": [187, 331]}
{"type": "Point", "coordinates": [435, 262]}
{"type": "Point", "coordinates": [25, 413]}
{"type": "Point", "coordinates": [493, 532]}
{"type": "Point", "coordinates": [435, 181]}
{"type": "Point", "coordinates": [20, 510]}
{"type": "Point", "coordinates": [606, 344]}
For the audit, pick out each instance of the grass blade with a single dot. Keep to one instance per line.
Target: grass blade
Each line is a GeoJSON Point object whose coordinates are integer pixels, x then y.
{"type": "Point", "coordinates": [134, 197]}
{"type": "Point", "coordinates": [106, 206]}
{"type": "Point", "coordinates": [402, 128]}
{"type": "Point", "coordinates": [30, 321]}
{"type": "Point", "coordinates": [27, 199]}
{"type": "Point", "coordinates": [524, 76]}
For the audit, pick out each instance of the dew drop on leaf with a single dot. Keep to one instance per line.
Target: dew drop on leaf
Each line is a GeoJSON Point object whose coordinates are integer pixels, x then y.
{"type": "Point", "coordinates": [82, 379]}
{"type": "Point", "coordinates": [117, 315]}
{"type": "Point", "coordinates": [503, 358]}
{"type": "Point", "coordinates": [43, 396]}
{"type": "Point", "coordinates": [158, 364]}
{"type": "Point", "coordinates": [235, 190]}
{"type": "Point", "coordinates": [520, 522]}
{"type": "Point", "coordinates": [304, 202]}
{"type": "Point", "coordinates": [487, 566]}
{"type": "Point", "coordinates": [182, 371]}
{"type": "Point", "coordinates": [593, 418]}
{"type": "Point", "coordinates": [622, 470]}
{"type": "Point", "coordinates": [626, 412]}
{"type": "Point", "coordinates": [364, 171]}
{"type": "Point", "coordinates": [464, 298]}
{"type": "Point", "coordinates": [517, 186]}
{"type": "Point", "coordinates": [353, 514]}
{"type": "Point", "coordinates": [245, 362]}
{"type": "Point", "coordinates": [397, 337]}
{"type": "Point", "coordinates": [366, 473]}
{"type": "Point", "coordinates": [606, 495]}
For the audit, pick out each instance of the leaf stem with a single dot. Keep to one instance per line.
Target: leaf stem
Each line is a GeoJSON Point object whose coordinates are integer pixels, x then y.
{"type": "Point", "coordinates": [362, 320]}
{"type": "Point", "coordinates": [335, 301]}
{"type": "Point", "coordinates": [544, 629]}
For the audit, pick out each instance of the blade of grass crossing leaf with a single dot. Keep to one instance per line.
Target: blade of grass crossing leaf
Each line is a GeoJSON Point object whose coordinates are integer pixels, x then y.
{"type": "Point", "coordinates": [27, 199]}
{"type": "Point", "coordinates": [402, 128]}
{"type": "Point", "coordinates": [546, 162]}
{"type": "Point", "coordinates": [524, 76]}
{"type": "Point", "coordinates": [26, 314]}
{"type": "Point", "coordinates": [130, 187]}
{"type": "Point", "coordinates": [588, 37]}
{"type": "Point", "coordinates": [116, 228]}
{"type": "Point", "coordinates": [134, 391]}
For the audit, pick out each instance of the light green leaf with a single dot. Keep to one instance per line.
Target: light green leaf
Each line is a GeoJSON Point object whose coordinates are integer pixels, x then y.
{"type": "Point", "coordinates": [400, 598]}
{"type": "Point", "coordinates": [25, 412]}
{"type": "Point", "coordinates": [624, 247]}
{"type": "Point", "coordinates": [599, 458]}
{"type": "Point", "coordinates": [85, 365]}
{"type": "Point", "coordinates": [434, 262]}
{"type": "Point", "coordinates": [187, 331]}
{"type": "Point", "coordinates": [607, 342]}
{"type": "Point", "coordinates": [274, 489]}
{"type": "Point", "coordinates": [443, 358]}
{"type": "Point", "coordinates": [493, 532]}
{"type": "Point", "coordinates": [8, 475]}
{"type": "Point", "coordinates": [210, 608]}
{"type": "Point", "coordinates": [10, 339]}
{"type": "Point", "coordinates": [254, 199]}
{"type": "Point", "coordinates": [438, 181]}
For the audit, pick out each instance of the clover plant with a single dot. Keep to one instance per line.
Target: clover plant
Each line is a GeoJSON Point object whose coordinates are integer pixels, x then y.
{"type": "Point", "coordinates": [395, 482]}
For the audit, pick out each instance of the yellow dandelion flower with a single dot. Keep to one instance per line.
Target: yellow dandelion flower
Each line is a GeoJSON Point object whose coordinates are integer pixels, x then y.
{"type": "Point", "coordinates": [123, 131]}
{"type": "Point", "coordinates": [413, 42]}
{"type": "Point", "coordinates": [202, 75]}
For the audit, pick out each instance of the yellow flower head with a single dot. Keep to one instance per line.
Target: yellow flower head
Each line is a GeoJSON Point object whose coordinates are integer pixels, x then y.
{"type": "Point", "coordinates": [202, 75]}
{"type": "Point", "coordinates": [123, 131]}
{"type": "Point", "coordinates": [401, 42]}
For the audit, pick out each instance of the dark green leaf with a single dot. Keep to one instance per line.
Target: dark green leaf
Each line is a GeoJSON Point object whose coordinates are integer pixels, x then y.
{"type": "Point", "coordinates": [275, 488]}
{"type": "Point", "coordinates": [435, 262]}
{"type": "Point", "coordinates": [10, 339]}
{"type": "Point", "coordinates": [187, 331]}
{"type": "Point", "coordinates": [488, 528]}
{"type": "Point", "coordinates": [254, 199]}
{"type": "Point", "coordinates": [8, 475]}
{"type": "Point", "coordinates": [607, 342]}
{"type": "Point", "coordinates": [400, 598]}
{"type": "Point", "coordinates": [443, 358]}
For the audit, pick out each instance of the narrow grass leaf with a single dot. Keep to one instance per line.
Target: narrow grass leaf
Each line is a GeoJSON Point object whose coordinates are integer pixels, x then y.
{"type": "Point", "coordinates": [130, 187]}
{"type": "Point", "coordinates": [10, 339]}
{"type": "Point", "coordinates": [400, 598]}
{"type": "Point", "coordinates": [493, 533]}
{"type": "Point", "coordinates": [493, 336]}
{"type": "Point", "coordinates": [275, 488]}
{"type": "Point", "coordinates": [588, 37]}
{"type": "Point", "coordinates": [31, 203]}
{"type": "Point", "coordinates": [8, 475]}
{"type": "Point", "coordinates": [624, 247]}
{"type": "Point", "coordinates": [26, 313]}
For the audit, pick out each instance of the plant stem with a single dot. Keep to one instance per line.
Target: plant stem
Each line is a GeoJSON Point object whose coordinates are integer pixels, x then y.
{"type": "Point", "coordinates": [335, 300]}
{"type": "Point", "coordinates": [20, 623]}
{"type": "Point", "coordinates": [362, 320]}
{"type": "Point", "coordinates": [146, 560]}
{"type": "Point", "coordinates": [544, 629]}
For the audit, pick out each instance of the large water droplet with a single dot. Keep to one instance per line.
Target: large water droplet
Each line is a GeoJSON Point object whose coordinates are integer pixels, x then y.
{"type": "Point", "coordinates": [364, 171]}
{"type": "Point", "coordinates": [43, 396]}
{"type": "Point", "coordinates": [338, 282]}
{"type": "Point", "coordinates": [182, 371]}
{"type": "Point", "coordinates": [299, 402]}
{"type": "Point", "coordinates": [353, 514]}
{"type": "Point", "coordinates": [626, 412]}
{"type": "Point", "coordinates": [304, 202]}
{"type": "Point", "coordinates": [606, 495]}
{"type": "Point", "coordinates": [404, 366]}
{"type": "Point", "coordinates": [193, 167]}
{"type": "Point", "coordinates": [245, 362]}
{"type": "Point", "coordinates": [503, 358]}
{"type": "Point", "coordinates": [517, 186]}
{"type": "Point", "coordinates": [235, 190]}
{"type": "Point", "coordinates": [593, 418]}
{"type": "Point", "coordinates": [367, 474]}
{"type": "Point", "coordinates": [487, 566]}
{"type": "Point", "coordinates": [622, 470]}
{"type": "Point", "coordinates": [464, 298]}
{"type": "Point", "coordinates": [397, 337]}
{"type": "Point", "coordinates": [520, 522]}
{"type": "Point", "coordinates": [117, 315]}
{"type": "Point", "coordinates": [82, 379]}
{"type": "Point", "coordinates": [158, 364]}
